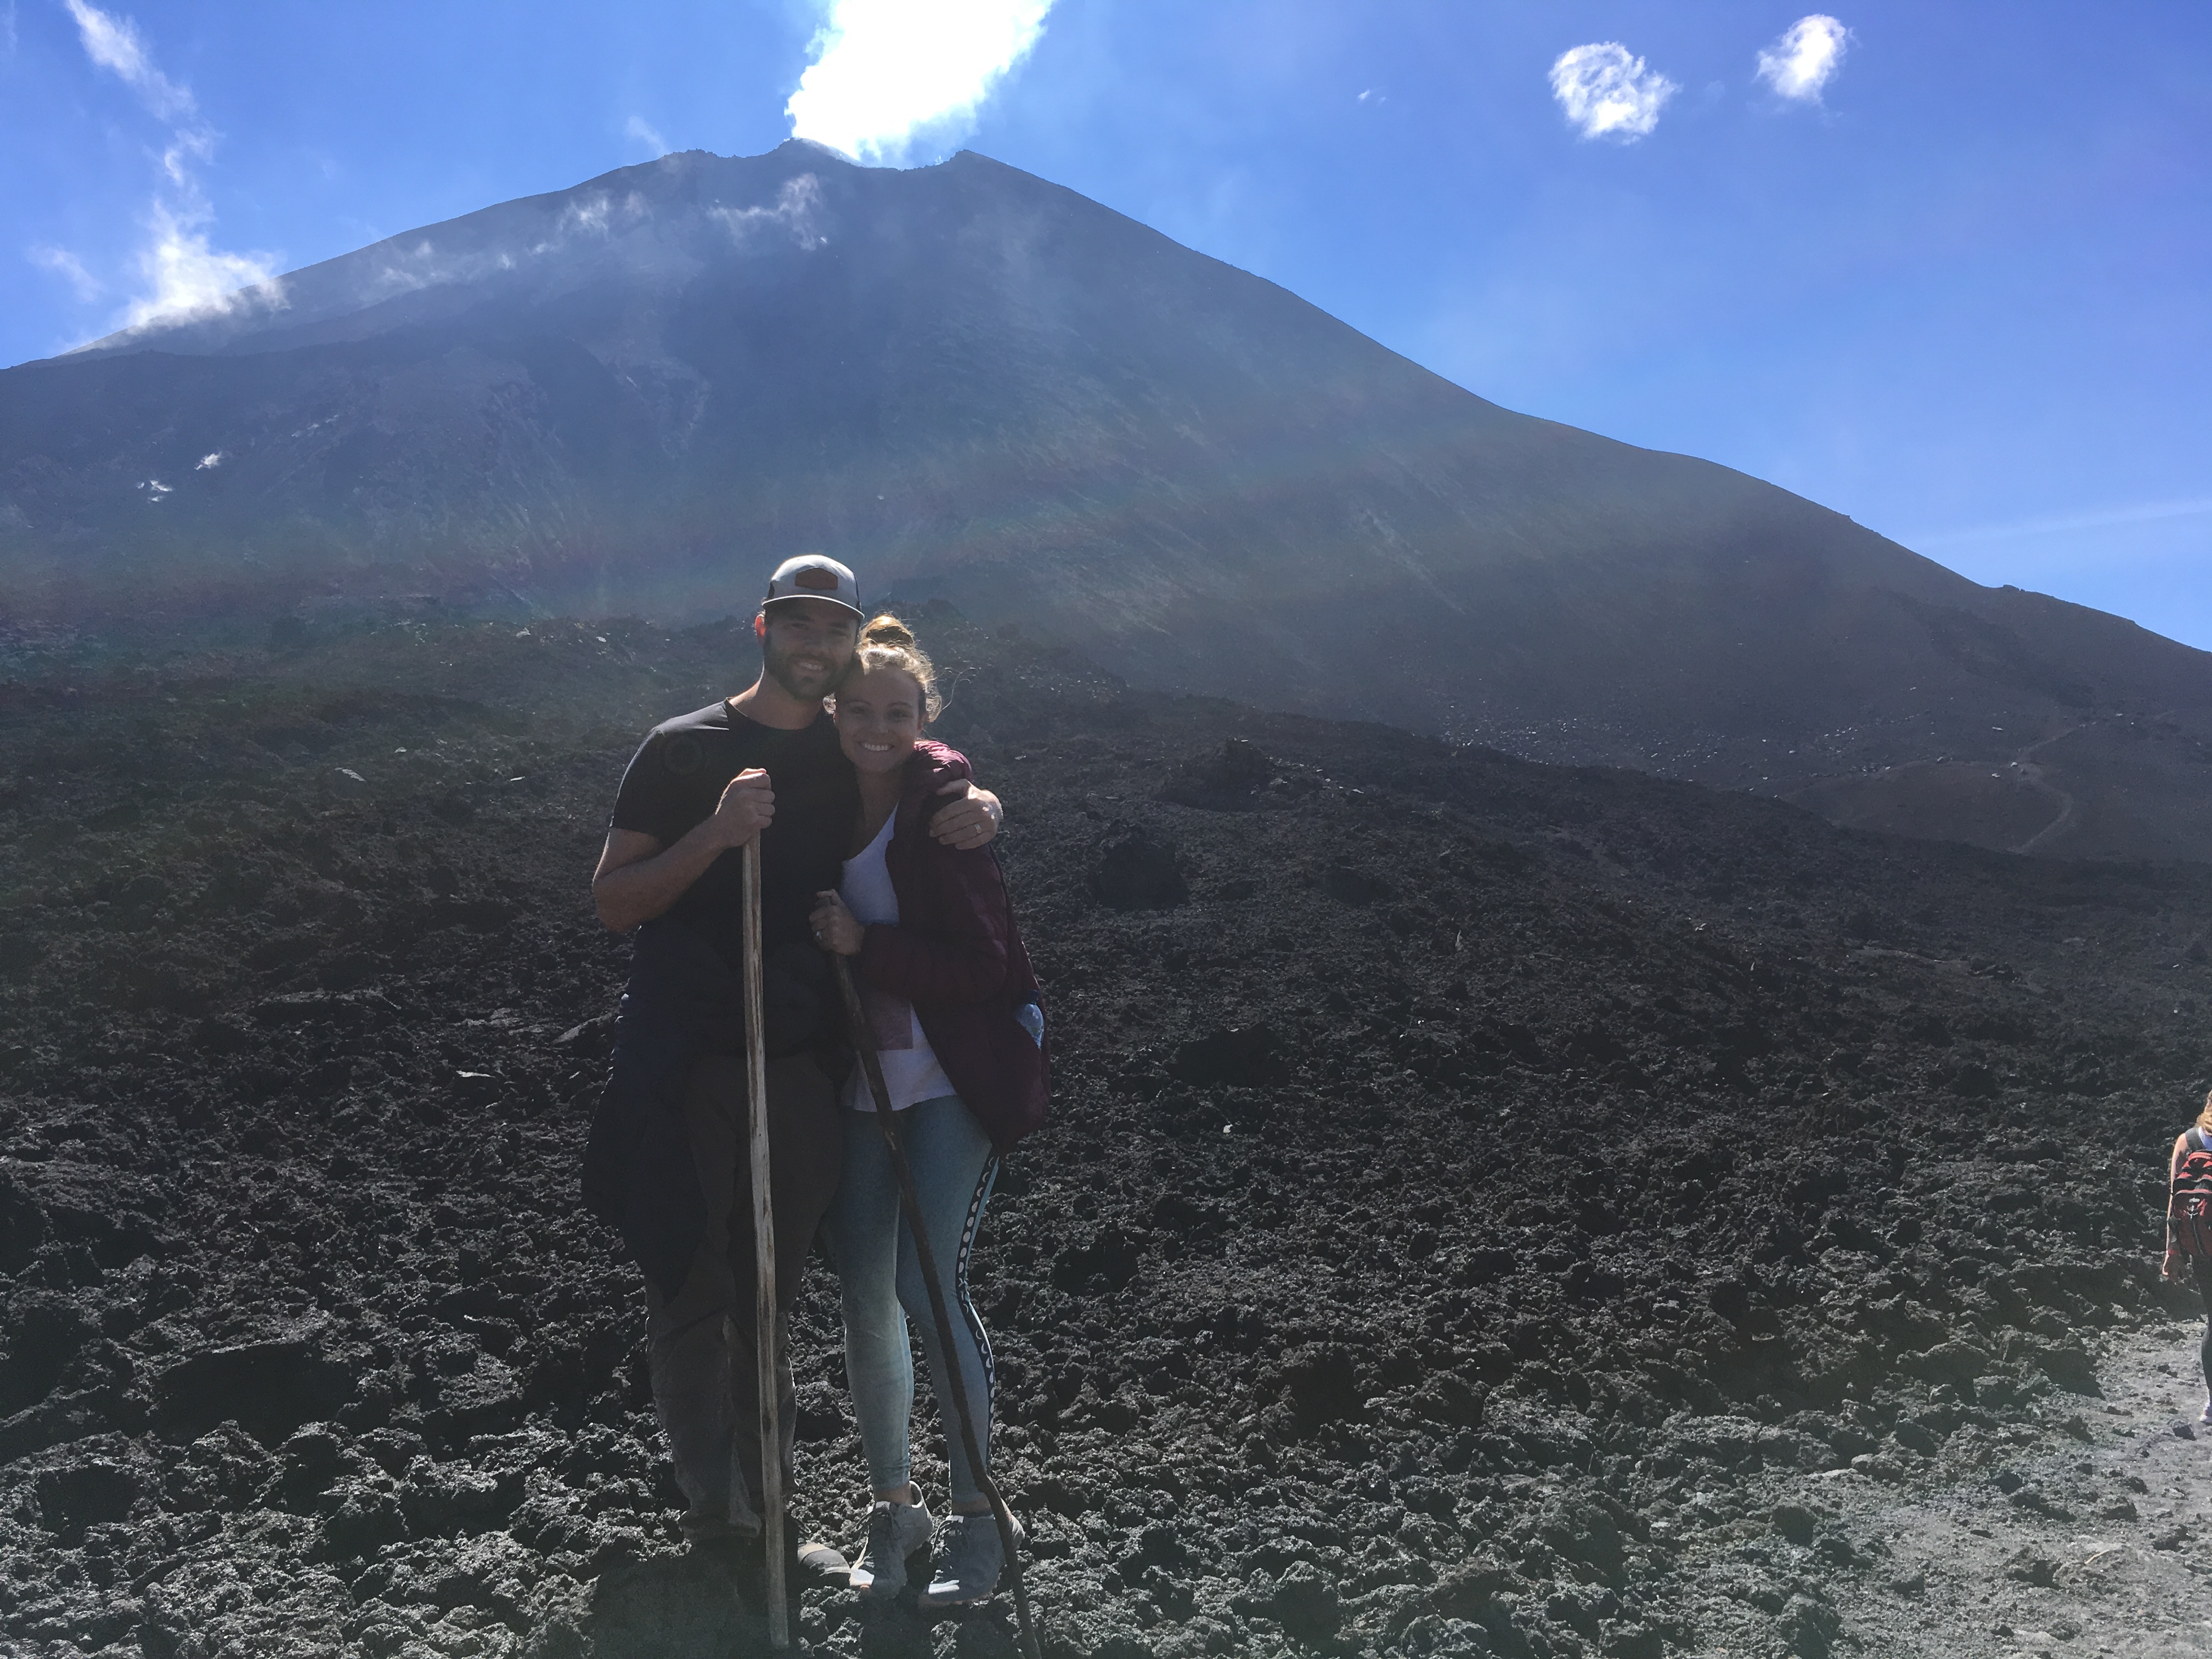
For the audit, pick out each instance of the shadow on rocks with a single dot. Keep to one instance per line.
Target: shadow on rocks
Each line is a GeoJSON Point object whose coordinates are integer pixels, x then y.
{"type": "Point", "coordinates": [673, 1605]}
{"type": "Point", "coordinates": [694, 1606]}
{"type": "Point", "coordinates": [902, 1630]}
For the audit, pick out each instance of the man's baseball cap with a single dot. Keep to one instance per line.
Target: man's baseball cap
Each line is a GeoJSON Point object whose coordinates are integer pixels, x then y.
{"type": "Point", "coordinates": [811, 576]}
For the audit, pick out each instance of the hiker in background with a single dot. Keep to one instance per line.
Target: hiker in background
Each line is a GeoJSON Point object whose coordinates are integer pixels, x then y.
{"type": "Point", "coordinates": [952, 1007]}
{"type": "Point", "coordinates": [667, 1162]}
{"type": "Point", "coordinates": [2189, 1225]}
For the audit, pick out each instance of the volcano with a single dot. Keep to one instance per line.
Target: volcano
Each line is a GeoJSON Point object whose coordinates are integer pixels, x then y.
{"type": "Point", "coordinates": [631, 397]}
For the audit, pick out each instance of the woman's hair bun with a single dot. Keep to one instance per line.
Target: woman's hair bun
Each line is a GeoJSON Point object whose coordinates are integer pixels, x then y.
{"type": "Point", "coordinates": [887, 642]}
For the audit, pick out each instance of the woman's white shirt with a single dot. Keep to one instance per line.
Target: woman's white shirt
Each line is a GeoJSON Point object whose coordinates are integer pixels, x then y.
{"type": "Point", "coordinates": [911, 1072]}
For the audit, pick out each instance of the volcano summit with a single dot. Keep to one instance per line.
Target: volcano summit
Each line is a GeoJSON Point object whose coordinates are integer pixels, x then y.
{"type": "Point", "coordinates": [977, 387]}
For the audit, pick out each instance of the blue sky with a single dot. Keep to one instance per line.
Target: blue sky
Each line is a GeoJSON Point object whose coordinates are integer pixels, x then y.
{"type": "Point", "coordinates": [1958, 290]}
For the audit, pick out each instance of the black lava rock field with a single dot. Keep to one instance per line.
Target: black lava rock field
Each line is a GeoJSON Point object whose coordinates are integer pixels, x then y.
{"type": "Point", "coordinates": [1469, 1180]}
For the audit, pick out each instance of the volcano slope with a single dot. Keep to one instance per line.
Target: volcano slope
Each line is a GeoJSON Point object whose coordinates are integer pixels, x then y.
{"type": "Point", "coordinates": [981, 387]}
{"type": "Point", "coordinates": [1476, 1190]}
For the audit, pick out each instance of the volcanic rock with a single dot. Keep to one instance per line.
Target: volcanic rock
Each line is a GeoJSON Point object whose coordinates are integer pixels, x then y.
{"type": "Point", "coordinates": [1229, 781]}
{"type": "Point", "coordinates": [1606, 1195]}
{"type": "Point", "coordinates": [1246, 1056]}
{"type": "Point", "coordinates": [1137, 872]}
{"type": "Point", "coordinates": [269, 1386]}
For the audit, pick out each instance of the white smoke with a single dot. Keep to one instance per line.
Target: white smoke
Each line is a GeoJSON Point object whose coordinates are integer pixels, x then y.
{"type": "Point", "coordinates": [1805, 58]}
{"type": "Point", "coordinates": [794, 213]}
{"type": "Point", "coordinates": [182, 274]}
{"type": "Point", "coordinates": [1608, 92]}
{"type": "Point", "coordinates": [888, 75]}
{"type": "Point", "coordinates": [589, 218]}
{"type": "Point", "coordinates": [593, 215]}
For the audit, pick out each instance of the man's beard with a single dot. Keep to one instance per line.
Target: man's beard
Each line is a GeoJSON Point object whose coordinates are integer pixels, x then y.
{"type": "Point", "coordinates": [779, 665]}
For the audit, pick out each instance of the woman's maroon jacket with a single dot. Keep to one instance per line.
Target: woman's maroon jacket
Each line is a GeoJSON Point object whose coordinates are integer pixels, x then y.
{"type": "Point", "coordinates": [958, 956]}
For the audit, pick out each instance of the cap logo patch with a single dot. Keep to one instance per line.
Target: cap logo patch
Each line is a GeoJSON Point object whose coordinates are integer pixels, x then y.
{"type": "Point", "coordinates": [815, 580]}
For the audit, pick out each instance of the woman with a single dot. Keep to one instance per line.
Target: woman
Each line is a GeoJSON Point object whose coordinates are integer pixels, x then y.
{"type": "Point", "coordinates": [2189, 1224]}
{"type": "Point", "coordinates": [952, 1008]}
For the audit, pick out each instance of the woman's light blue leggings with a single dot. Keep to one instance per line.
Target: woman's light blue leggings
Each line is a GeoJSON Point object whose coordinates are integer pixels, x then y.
{"type": "Point", "coordinates": [953, 1164]}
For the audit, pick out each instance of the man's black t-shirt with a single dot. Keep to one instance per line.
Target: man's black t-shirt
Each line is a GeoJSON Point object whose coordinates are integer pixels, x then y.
{"type": "Point", "coordinates": [676, 778]}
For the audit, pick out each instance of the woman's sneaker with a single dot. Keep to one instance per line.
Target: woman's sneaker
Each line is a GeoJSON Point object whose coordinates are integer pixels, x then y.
{"type": "Point", "coordinates": [894, 1531]}
{"type": "Point", "coordinates": [969, 1558]}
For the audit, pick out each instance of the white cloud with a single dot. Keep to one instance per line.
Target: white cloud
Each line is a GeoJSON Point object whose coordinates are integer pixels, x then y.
{"type": "Point", "coordinates": [639, 128]}
{"type": "Point", "coordinates": [113, 43]}
{"type": "Point", "coordinates": [70, 268]}
{"type": "Point", "coordinates": [184, 275]}
{"type": "Point", "coordinates": [888, 74]}
{"type": "Point", "coordinates": [1608, 92]}
{"type": "Point", "coordinates": [208, 463]}
{"type": "Point", "coordinates": [188, 145]}
{"type": "Point", "coordinates": [1805, 58]}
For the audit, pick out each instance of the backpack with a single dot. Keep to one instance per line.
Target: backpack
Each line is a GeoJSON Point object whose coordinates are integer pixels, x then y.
{"type": "Point", "coordinates": [2189, 1204]}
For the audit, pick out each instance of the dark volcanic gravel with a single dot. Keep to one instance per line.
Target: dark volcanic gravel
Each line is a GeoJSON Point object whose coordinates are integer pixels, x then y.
{"type": "Point", "coordinates": [1470, 1180]}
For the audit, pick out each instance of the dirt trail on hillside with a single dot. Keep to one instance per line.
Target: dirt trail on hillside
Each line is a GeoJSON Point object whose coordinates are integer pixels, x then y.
{"type": "Point", "coordinates": [2085, 1537]}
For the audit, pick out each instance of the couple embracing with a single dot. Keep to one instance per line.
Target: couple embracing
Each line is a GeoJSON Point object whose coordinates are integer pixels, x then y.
{"type": "Point", "coordinates": [875, 846]}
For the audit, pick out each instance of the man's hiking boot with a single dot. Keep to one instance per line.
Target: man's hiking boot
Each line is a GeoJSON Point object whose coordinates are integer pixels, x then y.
{"type": "Point", "coordinates": [2205, 1415]}
{"type": "Point", "coordinates": [812, 1564]}
{"type": "Point", "coordinates": [969, 1558]}
{"type": "Point", "coordinates": [723, 1529]}
{"type": "Point", "coordinates": [720, 1541]}
{"type": "Point", "coordinates": [894, 1531]}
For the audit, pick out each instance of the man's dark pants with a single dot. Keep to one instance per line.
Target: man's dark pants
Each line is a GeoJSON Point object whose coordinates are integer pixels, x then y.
{"type": "Point", "coordinates": [700, 1342]}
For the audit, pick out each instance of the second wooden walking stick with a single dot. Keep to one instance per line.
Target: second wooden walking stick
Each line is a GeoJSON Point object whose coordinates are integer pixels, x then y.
{"type": "Point", "coordinates": [764, 1311]}
{"type": "Point", "coordinates": [953, 1382]}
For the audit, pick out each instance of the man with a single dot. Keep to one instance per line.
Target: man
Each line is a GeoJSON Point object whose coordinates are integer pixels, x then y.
{"type": "Point", "coordinates": [669, 1156]}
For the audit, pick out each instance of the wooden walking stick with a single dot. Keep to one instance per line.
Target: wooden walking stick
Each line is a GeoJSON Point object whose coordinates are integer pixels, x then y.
{"type": "Point", "coordinates": [954, 1383]}
{"type": "Point", "coordinates": [764, 1320]}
